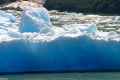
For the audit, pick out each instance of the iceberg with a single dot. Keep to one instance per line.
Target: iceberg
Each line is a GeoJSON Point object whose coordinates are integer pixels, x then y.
{"type": "Point", "coordinates": [75, 47]}
{"type": "Point", "coordinates": [34, 20]}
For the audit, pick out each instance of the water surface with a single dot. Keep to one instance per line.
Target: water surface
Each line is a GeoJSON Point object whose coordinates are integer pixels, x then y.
{"type": "Point", "coordinates": [64, 76]}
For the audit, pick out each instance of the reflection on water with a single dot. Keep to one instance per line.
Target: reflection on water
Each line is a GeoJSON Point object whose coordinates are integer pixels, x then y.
{"type": "Point", "coordinates": [64, 76]}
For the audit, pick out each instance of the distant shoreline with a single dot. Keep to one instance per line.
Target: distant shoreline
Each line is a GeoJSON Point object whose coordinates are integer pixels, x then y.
{"type": "Point", "coordinates": [85, 6]}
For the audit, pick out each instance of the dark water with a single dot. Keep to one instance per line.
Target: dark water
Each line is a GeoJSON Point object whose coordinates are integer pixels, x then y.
{"type": "Point", "coordinates": [64, 76]}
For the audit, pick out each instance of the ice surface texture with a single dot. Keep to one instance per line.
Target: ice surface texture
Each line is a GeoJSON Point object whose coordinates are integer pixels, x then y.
{"type": "Point", "coordinates": [33, 20]}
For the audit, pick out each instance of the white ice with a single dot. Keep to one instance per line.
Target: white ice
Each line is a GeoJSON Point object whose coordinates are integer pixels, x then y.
{"type": "Point", "coordinates": [46, 31]}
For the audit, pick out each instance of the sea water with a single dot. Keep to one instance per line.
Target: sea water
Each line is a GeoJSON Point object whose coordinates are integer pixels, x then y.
{"type": "Point", "coordinates": [64, 76]}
